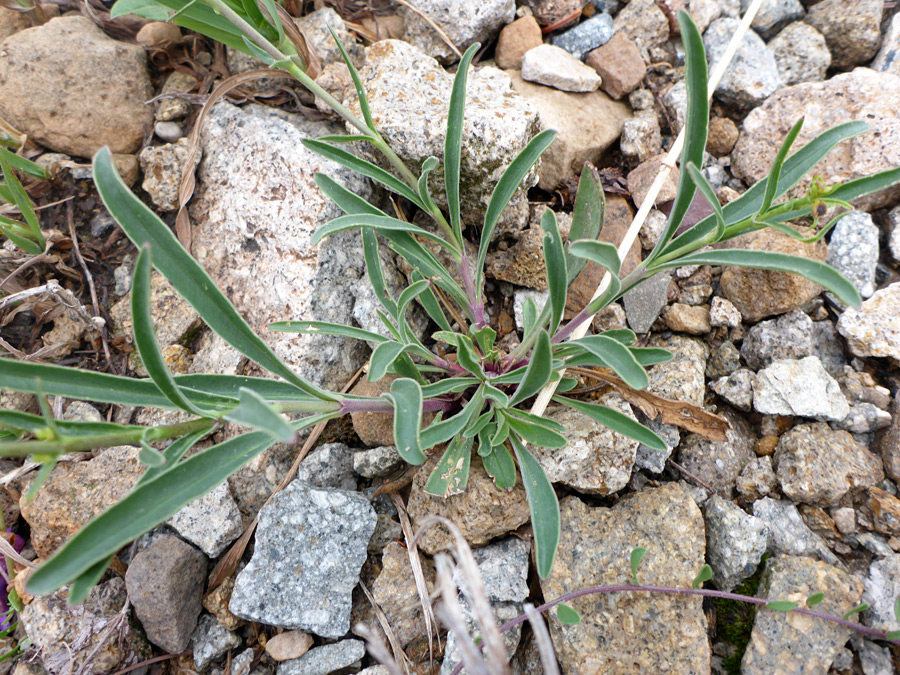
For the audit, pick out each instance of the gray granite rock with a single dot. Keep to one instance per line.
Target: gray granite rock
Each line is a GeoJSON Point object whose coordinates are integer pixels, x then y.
{"type": "Point", "coordinates": [853, 250]}
{"type": "Point", "coordinates": [504, 570]}
{"type": "Point", "coordinates": [641, 139]}
{"type": "Point", "coordinates": [881, 593]}
{"type": "Point", "coordinates": [211, 640]}
{"type": "Point", "coordinates": [325, 659]}
{"type": "Point", "coordinates": [801, 388]}
{"type": "Point", "coordinates": [162, 166]}
{"type": "Point", "coordinates": [645, 23]}
{"type": "Point", "coordinates": [682, 378]}
{"type": "Point", "coordinates": [736, 389]}
{"type": "Point", "coordinates": [463, 21]}
{"type": "Point", "coordinates": [719, 463]}
{"type": "Point", "coordinates": [829, 347]}
{"type": "Point", "coordinates": [723, 360]}
{"type": "Point", "coordinates": [875, 660]}
{"type": "Point", "coordinates": [210, 522]}
{"type": "Point", "coordinates": [165, 583]}
{"type": "Point", "coordinates": [773, 15]}
{"type": "Point", "coordinates": [874, 329]}
{"type": "Point", "coordinates": [675, 104]}
{"type": "Point", "coordinates": [650, 459]}
{"type": "Point", "coordinates": [596, 460]}
{"type": "Point", "coordinates": [643, 303]}
{"type": "Point", "coordinates": [735, 542]}
{"type": "Point", "coordinates": [587, 35]}
{"type": "Point", "coordinates": [378, 461]}
{"type": "Point", "coordinates": [788, 534]}
{"type": "Point", "coordinates": [793, 644]}
{"type": "Point", "coordinates": [790, 336]}
{"type": "Point", "coordinates": [752, 75]}
{"type": "Point", "coordinates": [801, 54]}
{"type": "Point", "coordinates": [852, 29]}
{"type": "Point", "coordinates": [310, 546]}
{"type": "Point", "coordinates": [865, 418]}
{"type": "Point", "coordinates": [757, 479]}
{"type": "Point", "coordinates": [893, 224]}
{"type": "Point", "coordinates": [329, 466]}
{"type": "Point", "coordinates": [888, 58]}
{"type": "Point", "coordinates": [554, 67]}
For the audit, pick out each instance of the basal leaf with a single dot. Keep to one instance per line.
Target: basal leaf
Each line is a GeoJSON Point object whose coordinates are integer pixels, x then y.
{"type": "Point", "coordinates": [82, 586]}
{"type": "Point", "coordinates": [151, 457]}
{"type": "Point", "coordinates": [777, 164]}
{"type": "Point", "coordinates": [257, 414]}
{"type": "Point", "coordinates": [588, 215]}
{"type": "Point", "coordinates": [601, 252]}
{"type": "Point", "coordinates": [379, 223]}
{"type": "Point", "coordinates": [617, 356]}
{"type": "Point", "coordinates": [616, 421]}
{"type": "Point", "coordinates": [555, 263]}
{"type": "Point", "coordinates": [442, 431]}
{"type": "Point", "coordinates": [406, 397]}
{"type": "Point", "coordinates": [326, 328]}
{"type": "Point", "coordinates": [862, 607]}
{"type": "Point", "coordinates": [543, 505]}
{"type": "Point", "coordinates": [357, 82]}
{"type": "Point", "coordinates": [566, 615]}
{"type": "Point", "coordinates": [535, 433]}
{"type": "Point", "coordinates": [451, 474]}
{"type": "Point", "coordinates": [383, 358]}
{"type": "Point", "coordinates": [173, 454]}
{"type": "Point", "coordinates": [538, 371]}
{"type": "Point", "coordinates": [500, 466]}
{"type": "Point", "coordinates": [453, 141]}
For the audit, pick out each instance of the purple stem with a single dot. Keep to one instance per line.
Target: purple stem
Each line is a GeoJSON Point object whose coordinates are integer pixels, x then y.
{"type": "Point", "coordinates": [476, 306]}
{"type": "Point", "coordinates": [379, 405]}
{"type": "Point", "coordinates": [570, 327]}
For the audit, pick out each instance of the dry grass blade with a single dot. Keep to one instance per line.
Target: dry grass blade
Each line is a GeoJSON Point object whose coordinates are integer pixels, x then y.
{"type": "Point", "coordinates": [300, 40]}
{"type": "Point", "coordinates": [452, 616]}
{"type": "Point", "coordinates": [11, 554]}
{"type": "Point", "coordinates": [377, 649]}
{"type": "Point", "coordinates": [437, 29]}
{"type": "Point", "coordinates": [396, 647]}
{"type": "Point", "coordinates": [542, 639]}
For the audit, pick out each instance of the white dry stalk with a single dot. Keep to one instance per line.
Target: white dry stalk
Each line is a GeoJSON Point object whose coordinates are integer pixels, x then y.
{"type": "Point", "coordinates": [668, 164]}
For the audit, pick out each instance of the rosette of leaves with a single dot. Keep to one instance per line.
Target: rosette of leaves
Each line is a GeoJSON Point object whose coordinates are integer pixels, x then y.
{"type": "Point", "coordinates": [477, 391]}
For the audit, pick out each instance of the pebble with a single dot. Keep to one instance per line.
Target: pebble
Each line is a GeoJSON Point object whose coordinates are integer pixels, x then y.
{"type": "Point", "coordinates": [586, 36]}
{"type": "Point", "coordinates": [801, 388]}
{"type": "Point", "coordinates": [619, 64]}
{"type": "Point", "coordinates": [757, 479]}
{"type": "Point", "coordinates": [752, 75]}
{"type": "Point", "coordinates": [874, 329]}
{"type": "Point", "coordinates": [885, 510]}
{"type": "Point", "coordinates": [165, 583]}
{"type": "Point", "coordinates": [683, 318]}
{"type": "Point", "coordinates": [211, 522]}
{"type": "Point", "coordinates": [865, 418]}
{"type": "Point", "coordinates": [736, 389]}
{"type": "Point", "coordinates": [790, 336]}
{"type": "Point", "coordinates": [719, 463]}
{"type": "Point", "coordinates": [645, 23]}
{"type": "Point", "coordinates": [704, 12]}
{"type": "Point", "coordinates": [723, 134]}
{"type": "Point", "coordinates": [329, 466]}
{"type": "Point", "coordinates": [723, 360]}
{"type": "Point", "coordinates": [464, 22]}
{"type": "Point", "coordinates": [378, 461]}
{"type": "Point", "coordinates": [829, 347]}
{"type": "Point", "coordinates": [662, 633]}
{"type": "Point", "coordinates": [774, 15]}
{"type": "Point", "coordinates": [796, 643]}
{"type": "Point", "coordinates": [682, 378]}
{"type": "Point", "coordinates": [175, 108]}
{"type": "Point", "coordinates": [818, 465]}
{"type": "Point", "coordinates": [325, 659]}
{"type": "Point", "coordinates": [852, 29]}
{"type": "Point", "coordinates": [641, 139]}
{"type": "Point", "coordinates": [554, 67]}
{"type": "Point", "coordinates": [875, 660]}
{"type": "Point", "coordinates": [211, 640]}
{"type": "Point", "coordinates": [652, 229]}
{"type": "Point", "coordinates": [853, 250]}
{"type": "Point", "coordinates": [887, 59]}
{"type": "Point", "coordinates": [801, 54]}
{"type": "Point", "coordinates": [310, 545]}
{"type": "Point", "coordinates": [520, 297]}
{"type": "Point", "coordinates": [642, 177]}
{"type": "Point", "coordinates": [291, 644]}
{"type": "Point", "coordinates": [788, 534]}
{"type": "Point", "coordinates": [515, 40]}
{"type": "Point", "coordinates": [156, 33]}
{"type": "Point", "coordinates": [882, 588]}
{"type": "Point", "coordinates": [675, 104]}
{"type": "Point", "coordinates": [735, 542]}
{"type": "Point", "coordinates": [169, 132]}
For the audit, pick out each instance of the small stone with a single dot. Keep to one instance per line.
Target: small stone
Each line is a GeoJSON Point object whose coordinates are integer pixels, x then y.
{"type": "Point", "coordinates": [79, 411]}
{"type": "Point", "coordinates": [210, 641]}
{"type": "Point", "coordinates": [735, 542]}
{"type": "Point", "coordinates": [169, 132]}
{"type": "Point", "coordinates": [178, 82]}
{"type": "Point", "coordinates": [651, 459]}
{"type": "Point", "coordinates": [719, 463]}
{"type": "Point", "coordinates": [865, 418]}
{"type": "Point", "coordinates": [788, 534]}
{"type": "Point", "coordinates": [757, 479]}
{"type": "Point", "coordinates": [310, 546]}
{"type": "Point", "coordinates": [210, 522]}
{"type": "Point", "coordinates": [516, 39]}
{"type": "Point", "coordinates": [752, 75]}
{"type": "Point", "coordinates": [549, 12]}
{"type": "Point", "coordinates": [157, 32]}
{"type": "Point", "coordinates": [329, 466]}
{"type": "Point", "coordinates": [736, 389]}
{"type": "Point", "coordinates": [874, 329]}
{"type": "Point", "coordinates": [817, 465]}
{"type": "Point", "coordinates": [874, 660]}
{"type": "Point", "coordinates": [502, 612]}
{"type": "Point", "coordinates": [555, 67]}
{"type": "Point", "coordinates": [801, 388]}
{"type": "Point", "coordinates": [378, 461]}
{"type": "Point", "coordinates": [373, 429]}
{"type": "Point", "coordinates": [853, 250]}
{"type": "Point", "coordinates": [844, 519]}
{"type": "Point", "coordinates": [801, 54]}
{"type": "Point", "coordinates": [774, 15]}
{"type": "Point", "coordinates": [216, 603]}
{"type": "Point", "coordinates": [723, 134]}
{"type": "Point", "coordinates": [852, 29]}
{"type": "Point", "coordinates": [523, 263]}
{"type": "Point", "coordinates": [645, 23]}
{"type": "Point", "coordinates": [291, 644]}
{"type": "Point", "coordinates": [885, 510]}
{"type": "Point", "coordinates": [790, 336]}
{"type": "Point", "coordinates": [829, 347]}
{"type": "Point", "coordinates": [881, 592]}
{"type": "Point", "coordinates": [521, 297]}
{"type": "Point", "coordinates": [387, 530]}
{"type": "Point", "coordinates": [325, 659]}
{"type": "Point", "coordinates": [641, 99]}
{"type": "Point", "coordinates": [799, 644]}
{"type": "Point", "coordinates": [683, 318]}
{"type": "Point", "coordinates": [641, 139]}
{"type": "Point", "coordinates": [586, 36]}
{"type": "Point", "coordinates": [682, 378]}
{"type": "Point", "coordinates": [652, 228]}
{"type": "Point", "coordinates": [619, 64]}
{"type": "Point", "coordinates": [165, 582]}
{"type": "Point", "coordinates": [675, 104]}
{"type": "Point", "coordinates": [241, 663]}
{"type": "Point", "coordinates": [641, 178]}
{"type": "Point", "coordinates": [887, 59]}
{"type": "Point", "coordinates": [723, 313]}
{"type": "Point", "coordinates": [644, 302]}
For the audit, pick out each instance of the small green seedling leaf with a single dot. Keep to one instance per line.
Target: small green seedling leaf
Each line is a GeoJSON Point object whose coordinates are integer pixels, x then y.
{"type": "Point", "coordinates": [815, 599]}
{"type": "Point", "coordinates": [500, 466]}
{"type": "Point", "coordinates": [538, 372]}
{"type": "Point", "coordinates": [893, 635]}
{"type": "Point", "coordinates": [704, 575]}
{"type": "Point", "coordinates": [637, 555]}
{"type": "Point", "coordinates": [566, 615]}
{"type": "Point", "coordinates": [862, 607]}
{"type": "Point", "coordinates": [255, 412]}
{"type": "Point", "coordinates": [782, 605]}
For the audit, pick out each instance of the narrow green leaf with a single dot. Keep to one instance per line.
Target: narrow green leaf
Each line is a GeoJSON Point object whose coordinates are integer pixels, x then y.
{"type": "Point", "coordinates": [853, 189]}
{"type": "Point", "coordinates": [637, 555]}
{"type": "Point", "coordinates": [567, 615]}
{"type": "Point", "coordinates": [496, 395]}
{"type": "Point", "coordinates": [383, 358]}
{"type": "Point", "coordinates": [349, 202]}
{"type": "Point", "coordinates": [428, 166]}
{"type": "Point", "coordinates": [623, 335]}
{"type": "Point", "coordinates": [26, 166]}
{"type": "Point", "coordinates": [451, 474]}
{"type": "Point", "coordinates": [375, 272]}
{"type": "Point", "coordinates": [555, 263]}
{"type": "Point", "coordinates": [538, 372]}
{"type": "Point", "coordinates": [467, 358]}
{"type": "Point", "coordinates": [275, 20]}
{"type": "Point", "coordinates": [230, 386]}
{"type": "Point", "coordinates": [326, 328]}
{"type": "Point", "coordinates": [452, 385]}
{"type": "Point", "coordinates": [813, 270]}
{"type": "Point", "coordinates": [534, 433]}
{"type": "Point", "coordinates": [42, 475]}
{"type": "Point", "coordinates": [410, 293]}
{"type": "Point", "coordinates": [21, 198]}
{"type": "Point", "coordinates": [815, 599]}
{"type": "Point", "coordinates": [173, 454]}
{"type": "Point", "coordinates": [777, 164]}
{"type": "Point", "coordinates": [406, 397]}
{"type": "Point", "coordinates": [501, 434]}
{"type": "Point", "coordinates": [856, 610]}
{"type": "Point", "coordinates": [616, 421]}
{"type": "Point", "coordinates": [430, 304]}
{"type": "Point", "coordinates": [710, 196]}
{"type": "Point", "coordinates": [365, 168]}
{"type": "Point", "coordinates": [451, 427]}
{"type": "Point", "coordinates": [704, 575]}
{"type": "Point", "coordinates": [607, 297]}
{"type": "Point", "coordinates": [650, 356]}
{"type": "Point", "coordinates": [543, 505]}
{"type": "Point", "coordinates": [379, 223]}
{"type": "Point", "coordinates": [82, 586]}
{"type": "Point", "coordinates": [185, 274]}
{"type": "Point", "coordinates": [601, 252]}
{"type": "Point", "coordinates": [23, 243]}
{"type": "Point", "coordinates": [782, 605]}
{"type": "Point", "coordinates": [357, 82]}
{"type": "Point", "coordinates": [897, 608]}
{"type": "Point", "coordinates": [453, 141]}
{"type": "Point", "coordinates": [479, 425]}
{"type": "Point", "coordinates": [151, 457]}
{"type": "Point", "coordinates": [197, 17]}
{"type": "Point", "coordinates": [588, 215]}
{"type": "Point", "coordinates": [500, 466]}
{"type": "Point", "coordinates": [258, 53]}
{"type": "Point", "coordinates": [618, 356]}
{"type": "Point", "coordinates": [257, 414]}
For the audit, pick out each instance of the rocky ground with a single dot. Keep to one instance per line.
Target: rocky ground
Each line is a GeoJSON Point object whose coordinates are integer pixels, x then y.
{"type": "Point", "coordinates": [801, 497]}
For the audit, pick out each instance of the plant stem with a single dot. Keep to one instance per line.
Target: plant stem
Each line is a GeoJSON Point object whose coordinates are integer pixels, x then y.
{"type": "Point", "coordinates": [380, 405]}
{"type": "Point", "coordinates": [307, 406]}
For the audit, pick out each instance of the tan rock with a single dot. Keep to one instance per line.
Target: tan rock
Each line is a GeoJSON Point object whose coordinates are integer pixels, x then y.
{"type": "Point", "coordinates": [373, 429]}
{"type": "Point", "coordinates": [216, 603]}
{"type": "Point", "coordinates": [761, 293]}
{"type": "Point", "coordinates": [642, 176]}
{"type": "Point", "coordinates": [644, 22]}
{"type": "Point", "coordinates": [548, 12]}
{"type": "Point", "coordinates": [127, 166]}
{"type": "Point", "coordinates": [73, 89]}
{"type": "Point", "coordinates": [885, 510]}
{"type": "Point", "coordinates": [11, 22]}
{"type": "Point", "coordinates": [587, 125]}
{"type": "Point", "coordinates": [723, 134]}
{"type": "Point", "coordinates": [291, 644]}
{"type": "Point", "coordinates": [687, 319]}
{"type": "Point", "coordinates": [482, 512]}
{"type": "Point", "coordinates": [157, 32]}
{"type": "Point", "coordinates": [516, 39]}
{"type": "Point", "coordinates": [852, 29]}
{"type": "Point", "coordinates": [169, 109]}
{"type": "Point", "coordinates": [619, 64]}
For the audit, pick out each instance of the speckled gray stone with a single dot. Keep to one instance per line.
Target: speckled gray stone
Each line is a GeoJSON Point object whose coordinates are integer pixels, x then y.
{"type": "Point", "coordinates": [211, 640]}
{"type": "Point", "coordinates": [864, 418]}
{"type": "Point", "coordinates": [757, 479]}
{"type": "Point", "coordinates": [325, 659]}
{"type": "Point", "coordinates": [723, 360]}
{"type": "Point", "coordinates": [645, 23]}
{"type": "Point", "coordinates": [644, 303]}
{"type": "Point", "coordinates": [795, 644]}
{"type": "Point", "coordinates": [719, 463]}
{"type": "Point", "coordinates": [801, 388]}
{"type": "Point", "coordinates": [829, 347]}
{"type": "Point", "coordinates": [329, 466]}
{"type": "Point", "coordinates": [735, 542]}
{"type": "Point", "coordinates": [736, 389]}
{"type": "Point", "coordinates": [310, 546]}
{"type": "Point", "coordinates": [554, 67]}
{"type": "Point", "coordinates": [650, 459]}
{"type": "Point", "coordinates": [888, 58]}
{"type": "Point", "coordinates": [801, 54]}
{"type": "Point", "coordinates": [463, 21]}
{"type": "Point", "coordinates": [596, 460]}
{"type": "Point", "coordinates": [752, 75]}
{"type": "Point", "coordinates": [853, 250]}
{"type": "Point", "coordinates": [682, 378]}
{"type": "Point", "coordinates": [881, 592]}
{"type": "Point", "coordinates": [788, 534]}
{"type": "Point", "coordinates": [641, 139]}
{"type": "Point", "coordinates": [652, 633]}
{"type": "Point", "coordinates": [504, 570]}
{"type": "Point", "coordinates": [378, 461]}
{"type": "Point", "coordinates": [773, 15]}
{"type": "Point", "coordinates": [210, 522]}
{"type": "Point", "coordinates": [587, 35]}
{"type": "Point", "coordinates": [790, 336]}
{"type": "Point", "coordinates": [852, 29]}
{"type": "Point", "coordinates": [874, 329]}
